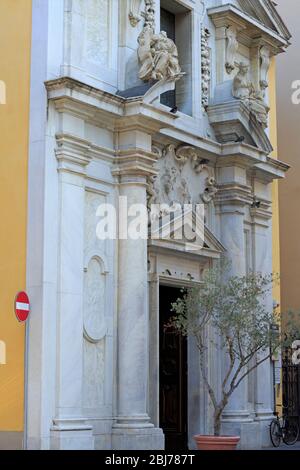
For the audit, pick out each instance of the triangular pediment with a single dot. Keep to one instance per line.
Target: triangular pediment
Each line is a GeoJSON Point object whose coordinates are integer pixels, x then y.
{"type": "Point", "coordinates": [266, 13]}
{"type": "Point", "coordinates": [177, 236]}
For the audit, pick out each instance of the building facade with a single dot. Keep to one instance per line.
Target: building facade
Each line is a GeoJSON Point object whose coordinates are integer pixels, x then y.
{"type": "Point", "coordinates": [147, 102]}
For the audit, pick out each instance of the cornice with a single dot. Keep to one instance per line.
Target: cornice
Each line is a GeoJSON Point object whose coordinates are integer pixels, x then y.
{"type": "Point", "coordinates": [227, 117]}
{"type": "Point", "coordinates": [270, 170]}
{"type": "Point", "coordinates": [122, 115]}
{"type": "Point", "coordinates": [112, 111]}
{"type": "Point", "coordinates": [243, 155]}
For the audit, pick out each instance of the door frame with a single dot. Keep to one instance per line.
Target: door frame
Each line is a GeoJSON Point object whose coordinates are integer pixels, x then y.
{"type": "Point", "coordinates": [197, 406]}
{"type": "Point", "coordinates": [182, 370]}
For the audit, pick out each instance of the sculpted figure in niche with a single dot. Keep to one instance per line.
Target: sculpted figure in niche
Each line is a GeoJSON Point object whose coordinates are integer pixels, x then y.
{"type": "Point", "coordinates": [232, 48]}
{"type": "Point", "coordinates": [241, 84]}
{"type": "Point", "coordinates": [145, 54]}
{"type": "Point", "coordinates": [158, 56]}
{"type": "Point", "coordinates": [244, 90]}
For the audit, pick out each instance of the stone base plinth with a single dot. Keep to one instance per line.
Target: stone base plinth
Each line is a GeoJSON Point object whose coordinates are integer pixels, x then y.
{"type": "Point", "coordinates": [148, 438]}
{"type": "Point", "coordinates": [264, 424]}
{"type": "Point", "coordinates": [249, 432]}
{"type": "Point", "coordinates": [71, 435]}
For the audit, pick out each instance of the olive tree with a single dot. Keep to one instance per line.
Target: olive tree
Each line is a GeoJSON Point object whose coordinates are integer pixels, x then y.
{"type": "Point", "coordinates": [236, 308]}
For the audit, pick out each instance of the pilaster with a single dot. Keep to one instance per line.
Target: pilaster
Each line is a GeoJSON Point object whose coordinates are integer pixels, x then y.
{"type": "Point", "coordinates": [262, 233]}
{"type": "Point", "coordinates": [70, 430]}
{"type": "Point", "coordinates": [133, 429]}
{"type": "Point", "coordinates": [231, 203]}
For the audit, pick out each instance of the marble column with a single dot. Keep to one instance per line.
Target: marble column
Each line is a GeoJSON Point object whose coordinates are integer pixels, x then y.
{"type": "Point", "coordinates": [133, 429]}
{"type": "Point", "coordinates": [231, 202]}
{"type": "Point", "coordinates": [232, 237]}
{"type": "Point", "coordinates": [70, 430]}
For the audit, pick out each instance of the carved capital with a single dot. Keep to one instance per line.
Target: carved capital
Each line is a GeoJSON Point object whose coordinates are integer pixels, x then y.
{"type": "Point", "coordinates": [73, 154]}
{"type": "Point", "coordinates": [233, 194]}
{"type": "Point", "coordinates": [135, 163]}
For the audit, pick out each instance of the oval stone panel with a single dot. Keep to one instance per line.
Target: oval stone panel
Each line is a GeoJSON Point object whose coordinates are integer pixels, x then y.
{"type": "Point", "coordinates": [94, 302]}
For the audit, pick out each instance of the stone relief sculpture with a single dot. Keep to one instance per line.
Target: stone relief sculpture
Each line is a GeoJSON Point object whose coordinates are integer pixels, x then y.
{"type": "Point", "coordinates": [134, 12]}
{"type": "Point", "coordinates": [210, 190]}
{"type": "Point", "coordinates": [173, 184]}
{"type": "Point", "coordinates": [244, 90]}
{"type": "Point", "coordinates": [205, 66]}
{"type": "Point", "coordinates": [232, 48]}
{"type": "Point", "coordinates": [94, 295]}
{"type": "Point", "coordinates": [241, 83]}
{"type": "Point", "coordinates": [157, 54]}
{"type": "Point", "coordinates": [264, 68]}
{"type": "Point", "coordinates": [150, 14]}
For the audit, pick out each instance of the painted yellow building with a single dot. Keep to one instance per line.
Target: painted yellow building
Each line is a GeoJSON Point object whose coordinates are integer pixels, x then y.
{"type": "Point", "coordinates": [276, 215]}
{"type": "Point", "coordinates": [15, 41]}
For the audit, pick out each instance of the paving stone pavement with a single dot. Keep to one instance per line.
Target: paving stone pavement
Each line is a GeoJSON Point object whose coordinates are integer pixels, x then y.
{"type": "Point", "coordinates": [285, 447]}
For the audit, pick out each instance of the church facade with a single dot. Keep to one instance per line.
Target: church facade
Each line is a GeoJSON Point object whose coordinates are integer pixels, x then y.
{"type": "Point", "coordinates": [146, 103]}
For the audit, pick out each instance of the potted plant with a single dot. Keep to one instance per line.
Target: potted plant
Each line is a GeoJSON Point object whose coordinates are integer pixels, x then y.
{"type": "Point", "coordinates": [236, 309]}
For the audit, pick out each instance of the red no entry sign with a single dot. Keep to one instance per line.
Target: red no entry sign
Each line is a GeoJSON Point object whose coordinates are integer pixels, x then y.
{"type": "Point", "coordinates": [22, 306]}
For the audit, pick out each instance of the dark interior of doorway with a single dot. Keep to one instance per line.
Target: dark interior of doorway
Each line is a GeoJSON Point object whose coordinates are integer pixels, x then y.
{"type": "Point", "coordinates": [172, 375]}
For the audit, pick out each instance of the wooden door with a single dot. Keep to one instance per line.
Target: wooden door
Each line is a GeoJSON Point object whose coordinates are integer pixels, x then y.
{"type": "Point", "coordinates": [173, 375]}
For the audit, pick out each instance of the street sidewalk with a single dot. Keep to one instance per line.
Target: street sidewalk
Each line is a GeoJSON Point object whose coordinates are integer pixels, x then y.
{"type": "Point", "coordinates": [285, 447]}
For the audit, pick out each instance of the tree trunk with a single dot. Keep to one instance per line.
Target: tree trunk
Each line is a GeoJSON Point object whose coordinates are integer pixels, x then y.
{"type": "Point", "coordinates": [217, 422]}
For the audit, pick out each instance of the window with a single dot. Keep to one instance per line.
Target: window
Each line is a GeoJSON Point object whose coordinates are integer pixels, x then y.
{"type": "Point", "coordinates": [167, 24]}
{"type": "Point", "coordinates": [175, 20]}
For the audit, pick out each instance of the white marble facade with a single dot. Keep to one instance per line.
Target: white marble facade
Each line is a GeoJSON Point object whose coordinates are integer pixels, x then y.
{"type": "Point", "coordinates": [99, 132]}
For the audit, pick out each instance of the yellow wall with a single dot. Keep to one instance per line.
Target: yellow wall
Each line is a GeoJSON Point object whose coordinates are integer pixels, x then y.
{"type": "Point", "coordinates": [275, 197]}
{"type": "Point", "coordinates": [273, 138]}
{"type": "Point", "coordinates": [15, 40]}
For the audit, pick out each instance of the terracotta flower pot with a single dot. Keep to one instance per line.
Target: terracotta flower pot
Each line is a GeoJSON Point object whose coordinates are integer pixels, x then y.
{"type": "Point", "coordinates": [217, 442]}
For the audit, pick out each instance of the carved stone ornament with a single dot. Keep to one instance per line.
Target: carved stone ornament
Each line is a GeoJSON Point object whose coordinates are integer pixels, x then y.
{"type": "Point", "coordinates": [210, 190]}
{"type": "Point", "coordinates": [231, 49]}
{"type": "Point", "coordinates": [157, 54]}
{"type": "Point", "coordinates": [205, 66]}
{"type": "Point", "coordinates": [244, 90]}
{"type": "Point", "coordinates": [150, 14]}
{"type": "Point", "coordinates": [264, 68]}
{"type": "Point", "coordinates": [134, 12]}
{"type": "Point", "coordinates": [94, 323]}
{"type": "Point", "coordinates": [177, 182]}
